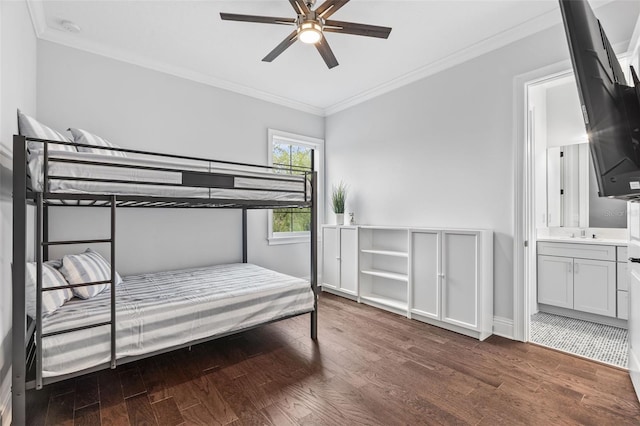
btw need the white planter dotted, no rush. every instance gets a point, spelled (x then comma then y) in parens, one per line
(339, 218)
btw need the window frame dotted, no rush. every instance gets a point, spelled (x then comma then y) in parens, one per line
(279, 136)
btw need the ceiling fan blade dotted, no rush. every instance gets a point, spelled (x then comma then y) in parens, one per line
(258, 19)
(291, 38)
(330, 7)
(356, 29)
(326, 53)
(300, 7)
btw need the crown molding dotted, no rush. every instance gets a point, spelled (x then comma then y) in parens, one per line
(38, 19)
(44, 32)
(532, 26)
(497, 41)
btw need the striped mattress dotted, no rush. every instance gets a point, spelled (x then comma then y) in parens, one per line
(249, 184)
(166, 309)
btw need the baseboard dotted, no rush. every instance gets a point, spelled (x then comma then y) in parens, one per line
(5, 401)
(503, 327)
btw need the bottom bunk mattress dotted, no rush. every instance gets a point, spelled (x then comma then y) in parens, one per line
(166, 309)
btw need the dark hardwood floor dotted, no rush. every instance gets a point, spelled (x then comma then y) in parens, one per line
(368, 367)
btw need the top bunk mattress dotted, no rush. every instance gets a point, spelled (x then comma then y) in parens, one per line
(167, 309)
(147, 176)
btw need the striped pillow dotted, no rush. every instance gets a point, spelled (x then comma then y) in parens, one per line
(51, 300)
(32, 128)
(87, 267)
(82, 136)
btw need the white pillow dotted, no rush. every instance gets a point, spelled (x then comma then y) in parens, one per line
(84, 137)
(32, 128)
(87, 267)
(51, 300)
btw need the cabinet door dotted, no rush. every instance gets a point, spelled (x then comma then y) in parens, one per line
(460, 278)
(555, 281)
(330, 257)
(425, 270)
(594, 286)
(349, 260)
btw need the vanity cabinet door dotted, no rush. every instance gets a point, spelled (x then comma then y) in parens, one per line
(555, 281)
(594, 287)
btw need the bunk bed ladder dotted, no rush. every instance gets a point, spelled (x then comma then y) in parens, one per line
(42, 245)
(314, 253)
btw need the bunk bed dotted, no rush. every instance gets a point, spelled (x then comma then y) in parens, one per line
(129, 321)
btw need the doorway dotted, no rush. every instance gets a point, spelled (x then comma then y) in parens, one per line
(560, 212)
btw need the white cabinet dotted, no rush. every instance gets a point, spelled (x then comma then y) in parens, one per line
(340, 259)
(460, 267)
(555, 281)
(578, 276)
(594, 287)
(440, 276)
(451, 279)
(425, 273)
(623, 284)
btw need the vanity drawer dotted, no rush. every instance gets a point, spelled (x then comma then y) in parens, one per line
(622, 254)
(581, 251)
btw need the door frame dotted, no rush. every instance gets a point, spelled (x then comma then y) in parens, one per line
(524, 251)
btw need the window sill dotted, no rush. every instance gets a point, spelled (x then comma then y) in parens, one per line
(274, 241)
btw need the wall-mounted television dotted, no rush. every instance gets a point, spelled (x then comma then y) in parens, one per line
(610, 108)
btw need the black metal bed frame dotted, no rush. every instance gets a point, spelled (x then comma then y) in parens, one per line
(26, 333)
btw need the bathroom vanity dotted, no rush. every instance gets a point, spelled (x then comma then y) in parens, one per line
(583, 278)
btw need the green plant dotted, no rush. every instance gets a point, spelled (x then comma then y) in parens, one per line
(338, 197)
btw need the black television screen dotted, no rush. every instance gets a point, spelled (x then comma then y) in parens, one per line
(610, 108)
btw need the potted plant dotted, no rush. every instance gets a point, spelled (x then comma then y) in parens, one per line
(338, 198)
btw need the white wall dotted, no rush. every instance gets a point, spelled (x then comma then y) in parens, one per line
(564, 118)
(142, 109)
(17, 90)
(440, 152)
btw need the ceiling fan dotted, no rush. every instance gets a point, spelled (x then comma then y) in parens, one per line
(310, 26)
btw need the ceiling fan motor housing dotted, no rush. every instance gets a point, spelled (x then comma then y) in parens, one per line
(311, 17)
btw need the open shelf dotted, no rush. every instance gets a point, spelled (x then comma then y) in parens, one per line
(386, 274)
(385, 301)
(392, 253)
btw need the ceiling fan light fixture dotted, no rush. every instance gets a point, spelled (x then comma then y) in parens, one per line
(310, 32)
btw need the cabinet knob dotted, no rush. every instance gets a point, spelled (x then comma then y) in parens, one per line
(634, 259)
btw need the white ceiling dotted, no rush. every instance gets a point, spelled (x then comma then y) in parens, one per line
(188, 39)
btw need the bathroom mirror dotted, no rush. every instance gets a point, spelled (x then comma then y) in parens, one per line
(572, 192)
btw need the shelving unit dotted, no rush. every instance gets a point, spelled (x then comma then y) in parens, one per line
(439, 276)
(384, 277)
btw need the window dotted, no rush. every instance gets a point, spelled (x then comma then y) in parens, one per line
(290, 150)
